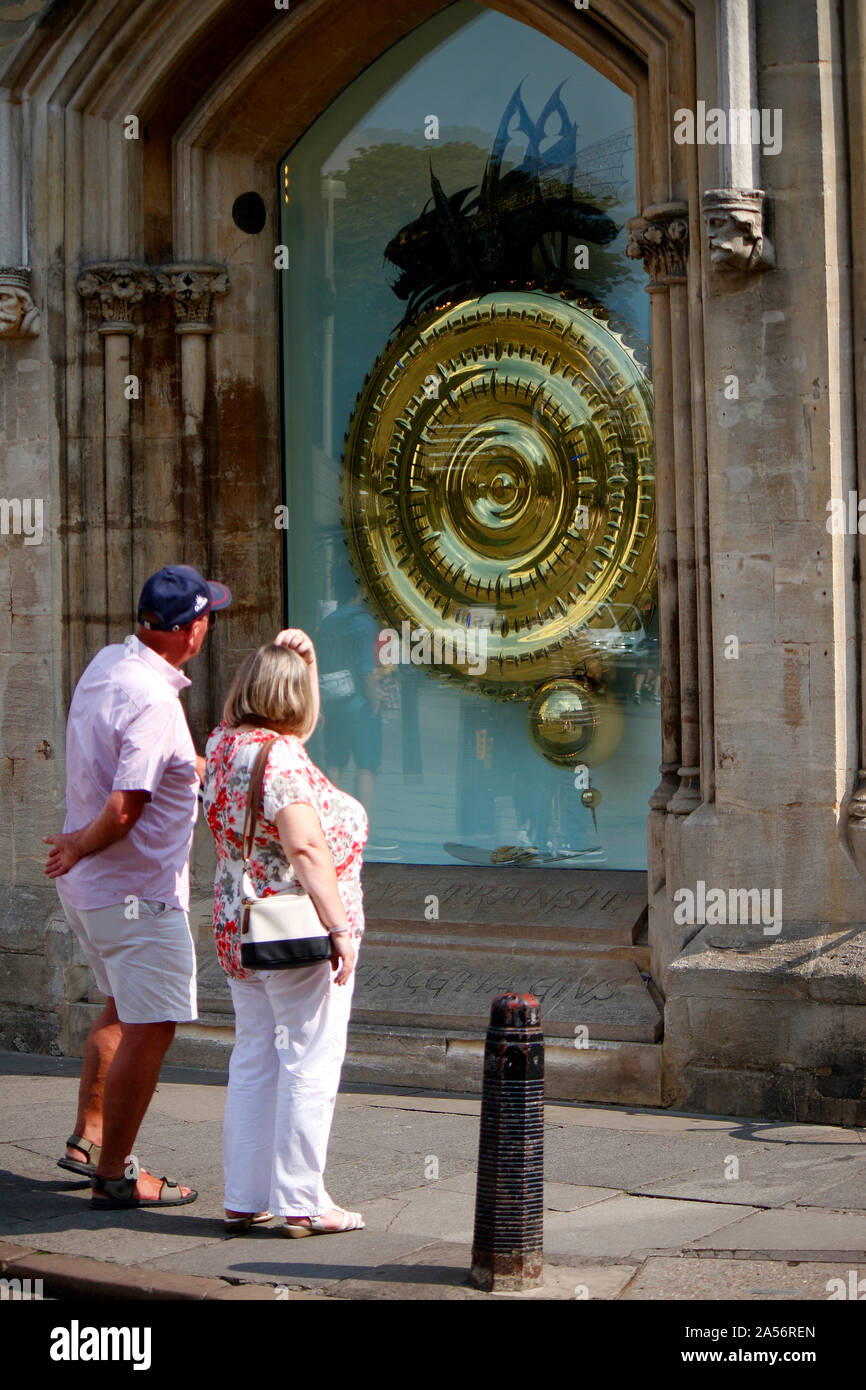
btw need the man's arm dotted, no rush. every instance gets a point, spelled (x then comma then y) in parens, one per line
(117, 817)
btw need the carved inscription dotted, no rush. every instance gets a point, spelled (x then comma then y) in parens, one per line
(414, 981)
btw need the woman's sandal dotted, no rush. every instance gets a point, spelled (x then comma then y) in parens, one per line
(235, 1224)
(118, 1193)
(74, 1165)
(352, 1221)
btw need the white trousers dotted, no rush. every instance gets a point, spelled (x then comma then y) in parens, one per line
(290, 1040)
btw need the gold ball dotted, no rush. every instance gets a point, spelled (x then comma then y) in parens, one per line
(571, 723)
(563, 720)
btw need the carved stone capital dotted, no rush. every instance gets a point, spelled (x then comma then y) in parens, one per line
(660, 238)
(19, 315)
(736, 233)
(116, 287)
(191, 289)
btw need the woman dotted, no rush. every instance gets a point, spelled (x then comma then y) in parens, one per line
(290, 1025)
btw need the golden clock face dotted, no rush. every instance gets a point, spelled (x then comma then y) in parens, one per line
(499, 475)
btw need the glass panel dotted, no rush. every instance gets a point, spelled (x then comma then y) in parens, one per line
(469, 466)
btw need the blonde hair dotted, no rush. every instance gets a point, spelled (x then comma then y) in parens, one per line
(272, 686)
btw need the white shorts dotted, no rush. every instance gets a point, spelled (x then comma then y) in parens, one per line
(147, 965)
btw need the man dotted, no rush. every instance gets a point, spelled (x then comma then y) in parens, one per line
(122, 870)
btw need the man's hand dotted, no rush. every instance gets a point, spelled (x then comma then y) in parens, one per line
(117, 817)
(64, 855)
(299, 641)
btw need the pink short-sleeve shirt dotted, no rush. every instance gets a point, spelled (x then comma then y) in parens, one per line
(126, 731)
(290, 777)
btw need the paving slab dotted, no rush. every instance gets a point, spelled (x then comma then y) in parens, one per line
(420, 1210)
(625, 1227)
(449, 1138)
(440, 1271)
(24, 1120)
(770, 1177)
(630, 1161)
(192, 1105)
(758, 1281)
(269, 1257)
(125, 1237)
(848, 1195)
(793, 1228)
(352, 1181)
(432, 1104)
(558, 1196)
(642, 1121)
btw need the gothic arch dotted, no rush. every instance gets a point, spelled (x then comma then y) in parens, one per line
(221, 89)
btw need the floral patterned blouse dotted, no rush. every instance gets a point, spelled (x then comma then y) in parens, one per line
(290, 777)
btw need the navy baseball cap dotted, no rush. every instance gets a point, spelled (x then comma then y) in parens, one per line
(176, 595)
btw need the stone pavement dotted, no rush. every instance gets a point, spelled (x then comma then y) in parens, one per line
(639, 1204)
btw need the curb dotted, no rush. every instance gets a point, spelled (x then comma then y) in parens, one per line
(78, 1276)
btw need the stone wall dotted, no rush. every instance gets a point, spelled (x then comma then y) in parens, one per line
(761, 751)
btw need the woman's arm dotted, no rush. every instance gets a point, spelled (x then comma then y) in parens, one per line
(306, 848)
(302, 644)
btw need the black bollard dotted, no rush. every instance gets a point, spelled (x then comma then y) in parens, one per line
(507, 1246)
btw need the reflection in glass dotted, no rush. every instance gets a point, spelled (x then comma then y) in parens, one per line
(476, 559)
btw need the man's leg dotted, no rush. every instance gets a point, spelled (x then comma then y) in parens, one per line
(102, 1043)
(129, 1088)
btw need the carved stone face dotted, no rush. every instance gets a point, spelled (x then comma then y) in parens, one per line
(13, 306)
(734, 239)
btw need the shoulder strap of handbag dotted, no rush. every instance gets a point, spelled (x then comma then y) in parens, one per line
(254, 799)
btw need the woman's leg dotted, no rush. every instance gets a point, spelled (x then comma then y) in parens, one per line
(248, 1128)
(312, 1017)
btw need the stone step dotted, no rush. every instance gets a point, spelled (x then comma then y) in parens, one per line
(574, 938)
(602, 907)
(615, 1073)
(623, 1073)
(448, 989)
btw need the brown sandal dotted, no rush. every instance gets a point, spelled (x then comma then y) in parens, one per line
(118, 1193)
(74, 1165)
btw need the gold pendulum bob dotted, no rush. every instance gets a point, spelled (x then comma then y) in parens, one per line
(568, 721)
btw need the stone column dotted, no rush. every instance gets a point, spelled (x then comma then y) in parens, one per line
(191, 290)
(116, 289)
(19, 316)
(660, 239)
(855, 49)
(736, 213)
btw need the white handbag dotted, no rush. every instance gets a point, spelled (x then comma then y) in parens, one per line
(283, 930)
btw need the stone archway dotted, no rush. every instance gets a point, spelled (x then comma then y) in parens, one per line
(143, 275)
